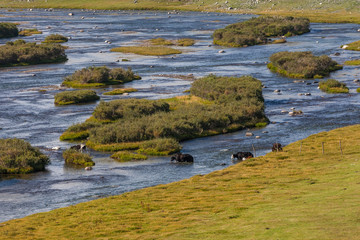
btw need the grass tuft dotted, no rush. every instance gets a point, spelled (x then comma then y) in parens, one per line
(147, 50)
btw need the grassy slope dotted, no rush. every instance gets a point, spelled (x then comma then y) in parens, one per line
(283, 195)
(334, 11)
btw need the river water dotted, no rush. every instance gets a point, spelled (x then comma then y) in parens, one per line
(30, 114)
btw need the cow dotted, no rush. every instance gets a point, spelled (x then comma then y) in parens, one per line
(242, 155)
(277, 147)
(179, 157)
(80, 147)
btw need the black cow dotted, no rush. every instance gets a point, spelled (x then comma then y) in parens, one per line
(179, 157)
(277, 147)
(242, 155)
(78, 147)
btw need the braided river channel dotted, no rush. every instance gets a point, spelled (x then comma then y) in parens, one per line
(27, 109)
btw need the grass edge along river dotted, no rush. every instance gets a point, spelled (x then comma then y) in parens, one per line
(308, 191)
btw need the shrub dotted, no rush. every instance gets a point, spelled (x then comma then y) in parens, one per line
(258, 30)
(185, 42)
(74, 97)
(333, 86)
(18, 156)
(74, 157)
(99, 77)
(8, 30)
(78, 131)
(125, 156)
(146, 50)
(302, 64)
(29, 32)
(21, 53)
(161, 41)
(179, 42)
(120, 91)
(352, 62)
(55, 38)
(160, 147)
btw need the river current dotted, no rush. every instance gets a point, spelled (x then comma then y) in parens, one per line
(29, 113)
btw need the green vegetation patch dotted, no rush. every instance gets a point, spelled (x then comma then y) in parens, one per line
(125, 156)
(21, 53)
(259, 30)
(302, 65)
(184, 42)
(18, 157)
(155, 127)
(8, 30)
(29, 32)
(120, 91)
(74, 97)
(91, 77)
(147, 50)
(282, 195)
(78, 131)
(355, 46)
(352, 62)
(74, 157)
(333, 86)
(161, 41)
(55, 38)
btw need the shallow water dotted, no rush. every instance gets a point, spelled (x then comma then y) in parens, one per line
(31, 115)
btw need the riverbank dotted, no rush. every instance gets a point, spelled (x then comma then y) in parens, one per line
(305, 192)
(316, 11)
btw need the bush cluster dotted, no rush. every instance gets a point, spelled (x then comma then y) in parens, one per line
(223, 104)
(8, 30)
(21, 53)
(147, 50)
(55, 38)
(74, 157)
(29, 32)
(125, 156)
(74, 97)
(302, 64)
(258, 30)
(185, 42)
(120, 91)
(18, 156)
(99, 77)
(333, 86)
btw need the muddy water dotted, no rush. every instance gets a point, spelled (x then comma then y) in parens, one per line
(27, 113)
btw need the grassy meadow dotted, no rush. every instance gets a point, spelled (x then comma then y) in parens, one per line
(282, 195)
(316, 10)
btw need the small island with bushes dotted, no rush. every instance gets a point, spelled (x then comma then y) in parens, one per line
(333, 86)
(19, 53)
(19, 157)
(29, 32)
(258, 30)
(184, 42)
(352, 62)
(8, 30)
(216, 105)
(99, 77)
(55, 38)
(125, 156)
(147, 50)
(73, 157)
(302, 65)
(75, 97)
(354, 46)
(120, 91)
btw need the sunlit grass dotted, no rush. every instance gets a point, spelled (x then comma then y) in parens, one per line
(147, 50)
(120, 91)
(352, 62)
(29, 32)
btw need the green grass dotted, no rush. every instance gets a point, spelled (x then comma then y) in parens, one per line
(120, 91)
(55, 38)
(8, 30)
(161, 41)
(75, 97)
(184, 42)
(332, 11)
(73, 157)
(125, 156)
(29, 32)
(147, 50)
(352, 62)
(354, 46)
(283, 195)
(333, 86)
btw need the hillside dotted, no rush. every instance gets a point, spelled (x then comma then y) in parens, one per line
(316, 10)
(312, 194)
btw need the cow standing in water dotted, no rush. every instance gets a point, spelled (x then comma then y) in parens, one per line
(242, 155)
(179, 157)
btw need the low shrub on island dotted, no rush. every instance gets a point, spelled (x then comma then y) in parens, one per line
(18, 156)
(352, 62)
(74, 97)
(8, 30)
(185, 42)
(125, 156)
(333, 86)
(354, 46)
(147, 50)
(259, 30)
(120, 91)
(99, 77)
(29, 32)
(74, 157)
(302, 65)
(21, 53)
(155, 127)
(55, 38)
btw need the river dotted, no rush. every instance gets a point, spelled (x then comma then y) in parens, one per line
(30, 114)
